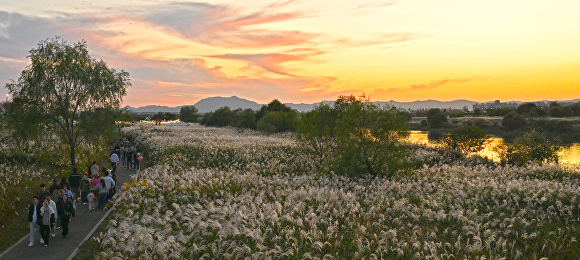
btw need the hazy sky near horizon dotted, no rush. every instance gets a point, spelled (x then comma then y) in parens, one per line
(298, 51)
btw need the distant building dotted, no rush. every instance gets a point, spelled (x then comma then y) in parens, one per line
(495, 105)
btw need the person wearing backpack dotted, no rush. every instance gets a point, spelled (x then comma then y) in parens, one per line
(75, 183)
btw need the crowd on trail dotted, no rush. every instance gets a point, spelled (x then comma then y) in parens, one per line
(53, 209)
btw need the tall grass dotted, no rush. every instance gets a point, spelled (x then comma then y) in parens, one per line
(224, 194)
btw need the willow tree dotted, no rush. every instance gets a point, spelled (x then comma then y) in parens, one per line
(63, 84)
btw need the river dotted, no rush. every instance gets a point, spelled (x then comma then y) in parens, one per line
(567, 155)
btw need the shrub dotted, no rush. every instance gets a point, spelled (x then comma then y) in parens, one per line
(532, 147)
(513, 121)
(436, 118)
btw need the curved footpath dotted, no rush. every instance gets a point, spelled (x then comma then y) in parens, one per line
(81, 228)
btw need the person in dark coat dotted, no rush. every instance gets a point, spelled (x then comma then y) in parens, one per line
(63, 183)
(65, 211)
(33, 216)
(42, 194)
(54, 186)
(75, 183)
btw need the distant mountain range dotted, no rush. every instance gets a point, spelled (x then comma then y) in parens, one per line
(213, 103)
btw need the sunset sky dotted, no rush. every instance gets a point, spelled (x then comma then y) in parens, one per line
(299, 51)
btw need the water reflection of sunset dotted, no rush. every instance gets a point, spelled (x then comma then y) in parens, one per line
(567, 154)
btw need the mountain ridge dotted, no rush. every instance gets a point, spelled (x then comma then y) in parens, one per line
(211, 104)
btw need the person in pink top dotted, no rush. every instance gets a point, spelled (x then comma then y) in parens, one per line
(96, 180)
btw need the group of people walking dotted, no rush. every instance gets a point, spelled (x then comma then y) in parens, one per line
(128, 154)
(52, 209)
(95, 188)
(44, 213)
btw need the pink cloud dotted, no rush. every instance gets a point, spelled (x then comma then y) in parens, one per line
(437, 83)
(374, 5)
(272, 62)
(258, 18)
(382, 39)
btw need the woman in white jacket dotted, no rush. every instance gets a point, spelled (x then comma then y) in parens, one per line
(46, 221)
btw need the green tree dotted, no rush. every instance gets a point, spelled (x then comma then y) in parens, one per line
(364, 137)
(576, 109)
(62, 81)
(247, 119)
(436, 118)
(188, 114)
(467, 139)
(278, 121)
(316, 129)
(283, 118)
(223, 117)
(273, 106)
(207, 119)
(513, 121)
(170, 116)
(525, 109)
(556, 110)
(160, 116)
(537, 112)
(532, 147)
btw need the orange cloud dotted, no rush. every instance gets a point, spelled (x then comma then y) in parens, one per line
(437, 83)
(271, 62)
(382, 39)
(374, 5)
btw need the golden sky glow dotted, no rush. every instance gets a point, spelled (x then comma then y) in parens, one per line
(308, 51)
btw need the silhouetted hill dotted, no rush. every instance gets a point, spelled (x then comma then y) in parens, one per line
(154, 109)
(213, 103)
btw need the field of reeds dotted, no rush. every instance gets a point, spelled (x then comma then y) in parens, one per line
(220, 193)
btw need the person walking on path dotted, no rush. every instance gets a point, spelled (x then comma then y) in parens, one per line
(138, 158)
(85, 188)
(94, 169)
(46, 220)
(33, 216)
(54, 185)
(110, 185)
(42, 193)
(65, 211)
(114, 160)
(128, 156)
(63, 183)
(75, 183)
(96, 180)
(103, 192)
(52, 205)
(80, 229)
(69, 195)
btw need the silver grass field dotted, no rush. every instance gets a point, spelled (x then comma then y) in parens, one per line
(222, 193)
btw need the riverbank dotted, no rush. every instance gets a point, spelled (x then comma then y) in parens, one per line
(562, 131)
